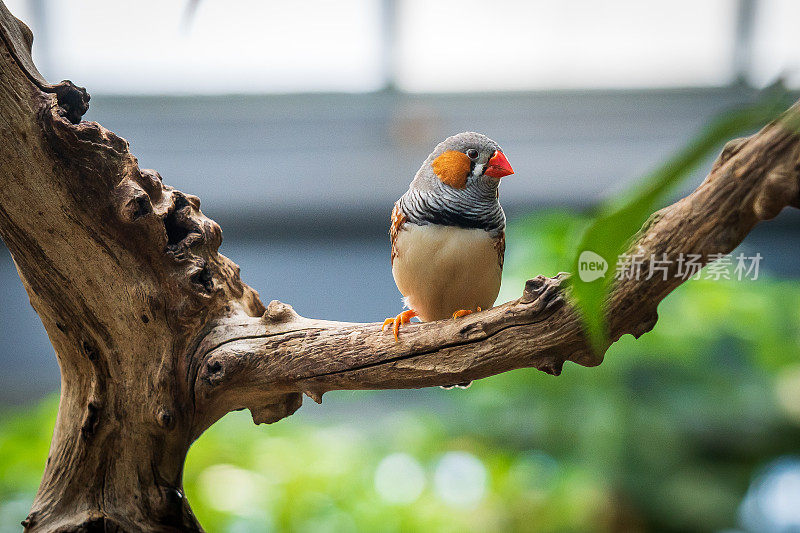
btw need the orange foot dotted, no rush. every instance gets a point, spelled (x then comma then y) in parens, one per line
(403, 318)
(464, 312)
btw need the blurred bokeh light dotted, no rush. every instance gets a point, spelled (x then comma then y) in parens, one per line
(255, 46)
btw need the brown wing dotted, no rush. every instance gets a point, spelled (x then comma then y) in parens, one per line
(500, 246)
(398, 219)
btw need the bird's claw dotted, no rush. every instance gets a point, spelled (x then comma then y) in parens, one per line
(403, 318)
(464, 312)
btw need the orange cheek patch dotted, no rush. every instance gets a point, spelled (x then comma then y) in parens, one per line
(452, 168)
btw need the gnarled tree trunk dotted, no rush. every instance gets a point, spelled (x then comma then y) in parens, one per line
(157, 337)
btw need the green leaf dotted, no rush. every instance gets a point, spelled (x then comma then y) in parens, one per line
(610, 232)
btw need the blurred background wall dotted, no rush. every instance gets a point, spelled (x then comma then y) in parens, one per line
(299, 123)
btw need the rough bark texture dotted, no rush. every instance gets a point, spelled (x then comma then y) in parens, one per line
(157, 337)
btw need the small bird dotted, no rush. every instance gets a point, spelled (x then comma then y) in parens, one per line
(448, 232)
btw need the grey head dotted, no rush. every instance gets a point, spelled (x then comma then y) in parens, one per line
(457, 185)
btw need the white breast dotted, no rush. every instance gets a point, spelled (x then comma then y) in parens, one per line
(441, 269)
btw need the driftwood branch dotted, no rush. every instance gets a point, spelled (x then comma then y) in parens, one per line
(752, 180)
(157, 337)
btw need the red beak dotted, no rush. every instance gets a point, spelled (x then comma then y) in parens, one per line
(498, 166)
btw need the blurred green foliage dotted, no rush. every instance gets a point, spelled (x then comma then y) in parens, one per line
(665, 435)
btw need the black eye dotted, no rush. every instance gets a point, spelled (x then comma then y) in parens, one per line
(472, 153)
